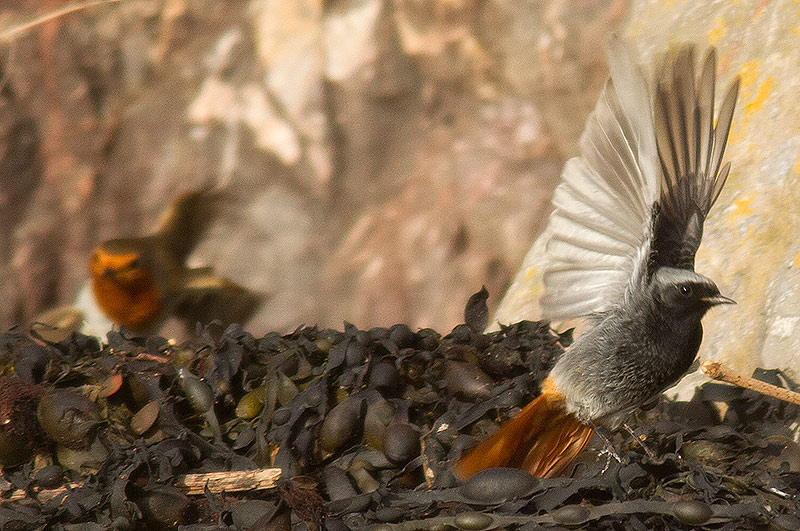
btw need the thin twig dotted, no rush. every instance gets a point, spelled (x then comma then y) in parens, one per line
(152, 357)
(9, 34)
(718, 371)
(191, 484)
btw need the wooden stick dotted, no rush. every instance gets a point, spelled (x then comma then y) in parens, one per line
(191, 484)
(718, 371)
(260, 479)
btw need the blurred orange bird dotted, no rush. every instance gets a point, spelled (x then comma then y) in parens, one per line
(139, 282)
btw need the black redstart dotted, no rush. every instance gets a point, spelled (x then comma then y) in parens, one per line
(627, 223)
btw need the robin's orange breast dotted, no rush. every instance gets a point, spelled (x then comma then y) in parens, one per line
(125, 291)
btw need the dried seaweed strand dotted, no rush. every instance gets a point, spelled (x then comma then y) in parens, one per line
(718, 371)
(191, 484)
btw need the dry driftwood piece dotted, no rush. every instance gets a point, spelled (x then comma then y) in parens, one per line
(261, 479)
(192, 484)
(718, 371)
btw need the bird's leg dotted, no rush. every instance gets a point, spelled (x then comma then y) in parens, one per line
(648, 451)
(609, 449)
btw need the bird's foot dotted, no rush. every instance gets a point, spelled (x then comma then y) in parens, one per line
(650, 453)
(608, 449)
(611, 455)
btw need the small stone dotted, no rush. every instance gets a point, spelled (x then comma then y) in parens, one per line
(497, 485)
(692, 512)
(340, 425)
(250, 405)
(476, 314)
(785, 522)
(389, 514)
(473, 520)
(144, 419)
(401, 335)
(281, 416)
(68, 417)
(244, 515)
(57, 324)
(383, 375)
(705, 451)
(49, 477)
(570, 515)
(164, 505)
(401, 442)
(464, 379)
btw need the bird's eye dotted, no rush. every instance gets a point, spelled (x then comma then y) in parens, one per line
(685, 290)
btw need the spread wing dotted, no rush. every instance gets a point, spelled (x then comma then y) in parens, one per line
(637, 196)
(690, 150)
(601, 225)
(185, 220)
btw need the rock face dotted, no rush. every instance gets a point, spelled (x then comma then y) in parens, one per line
(385, 157)
(751, 245)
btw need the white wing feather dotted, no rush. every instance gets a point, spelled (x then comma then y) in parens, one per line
(600, 228)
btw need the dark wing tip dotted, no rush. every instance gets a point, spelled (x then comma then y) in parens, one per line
(185, 220)
(691, 145)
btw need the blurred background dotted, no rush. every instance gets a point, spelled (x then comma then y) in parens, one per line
(385, 157)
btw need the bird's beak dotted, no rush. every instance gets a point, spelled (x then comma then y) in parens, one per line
(718, 299)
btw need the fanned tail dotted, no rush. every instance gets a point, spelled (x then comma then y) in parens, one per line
(542, 439)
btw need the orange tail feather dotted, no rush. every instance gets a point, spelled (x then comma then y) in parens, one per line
(542, 439)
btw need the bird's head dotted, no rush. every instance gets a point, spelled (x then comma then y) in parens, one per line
(685, 292)
(121, 262)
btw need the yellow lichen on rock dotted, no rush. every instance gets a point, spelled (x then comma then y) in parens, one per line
(751, 243)
(757, 103)
(717, 31)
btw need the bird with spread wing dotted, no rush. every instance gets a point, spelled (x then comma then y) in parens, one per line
(139, 282)
(627, 222)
